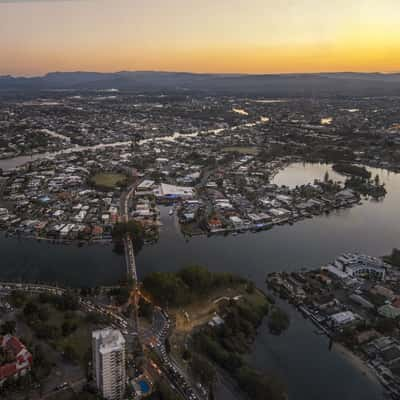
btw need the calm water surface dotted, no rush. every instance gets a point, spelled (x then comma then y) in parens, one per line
(299, 356)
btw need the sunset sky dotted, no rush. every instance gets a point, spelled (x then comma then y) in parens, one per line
(252, 36)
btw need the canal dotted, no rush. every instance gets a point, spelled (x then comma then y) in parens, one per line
(299, 356)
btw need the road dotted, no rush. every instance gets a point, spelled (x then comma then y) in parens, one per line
(117, 321)
(155, 339)
(161, 327)
(160, 331)
(128, 244)
(161, 324)
(130, 260)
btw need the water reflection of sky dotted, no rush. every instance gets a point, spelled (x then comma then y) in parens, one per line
(301, 357)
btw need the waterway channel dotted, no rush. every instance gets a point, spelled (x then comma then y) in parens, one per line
(299, 356)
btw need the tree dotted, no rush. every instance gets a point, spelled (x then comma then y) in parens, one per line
(197, 278)
(18, 298)
(70, 353)
(68, 327)
(46, 331)
(260, 386)
(69, 301)
(121, 295)
(133, 228)
(251, 287)
(42, 364)
(31, 310)
(278, 321)
(85, 395)
(167, 288)
(8, 328)
(203, 370)
(186, 355)
(164, 392)
(354, 170)
(43, 313)
(145, 309)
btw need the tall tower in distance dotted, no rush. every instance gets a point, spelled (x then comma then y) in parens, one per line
(109, 363)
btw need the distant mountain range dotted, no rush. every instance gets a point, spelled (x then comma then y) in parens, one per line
(279, 85)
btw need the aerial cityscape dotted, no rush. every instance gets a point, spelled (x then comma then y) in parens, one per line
(227, 233)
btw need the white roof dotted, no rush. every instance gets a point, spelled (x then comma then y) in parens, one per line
(110, 340)
(335, 271)
(343, 317)
(166, 189)
(146, 184)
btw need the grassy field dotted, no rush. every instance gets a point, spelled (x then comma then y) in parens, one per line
(108, 180)
(241, 149)
(199, 313)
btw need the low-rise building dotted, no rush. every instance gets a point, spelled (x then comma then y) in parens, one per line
(19, 359)
(343, 318)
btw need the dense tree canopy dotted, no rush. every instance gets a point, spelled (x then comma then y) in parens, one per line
(135, 231)
(278, 321)
(350, 169)
(185, 286)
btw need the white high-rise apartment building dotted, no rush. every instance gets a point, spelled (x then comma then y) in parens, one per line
(109, 363)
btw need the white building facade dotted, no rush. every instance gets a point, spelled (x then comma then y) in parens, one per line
(109, 363)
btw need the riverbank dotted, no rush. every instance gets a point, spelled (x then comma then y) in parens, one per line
(77, 242)
(301, 357)
(341, 299)
(205, 306)
(219, 211)
(357, 362)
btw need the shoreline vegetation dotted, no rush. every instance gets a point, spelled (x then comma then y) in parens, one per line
(131, 228)
(220, 330)
(360, 180)
(358, 184)
(278, 321)
(188, 285)
(350, 169)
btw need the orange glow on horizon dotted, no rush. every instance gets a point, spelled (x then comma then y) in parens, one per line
(224, 37)
(257, 60)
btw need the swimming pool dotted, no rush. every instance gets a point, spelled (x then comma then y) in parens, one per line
(144, 386)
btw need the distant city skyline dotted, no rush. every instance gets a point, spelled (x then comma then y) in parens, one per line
(228, 36)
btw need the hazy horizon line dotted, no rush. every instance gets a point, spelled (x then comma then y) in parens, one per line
(44, 74)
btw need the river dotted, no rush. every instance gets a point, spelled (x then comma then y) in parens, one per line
(12, 163)
(299, 356)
